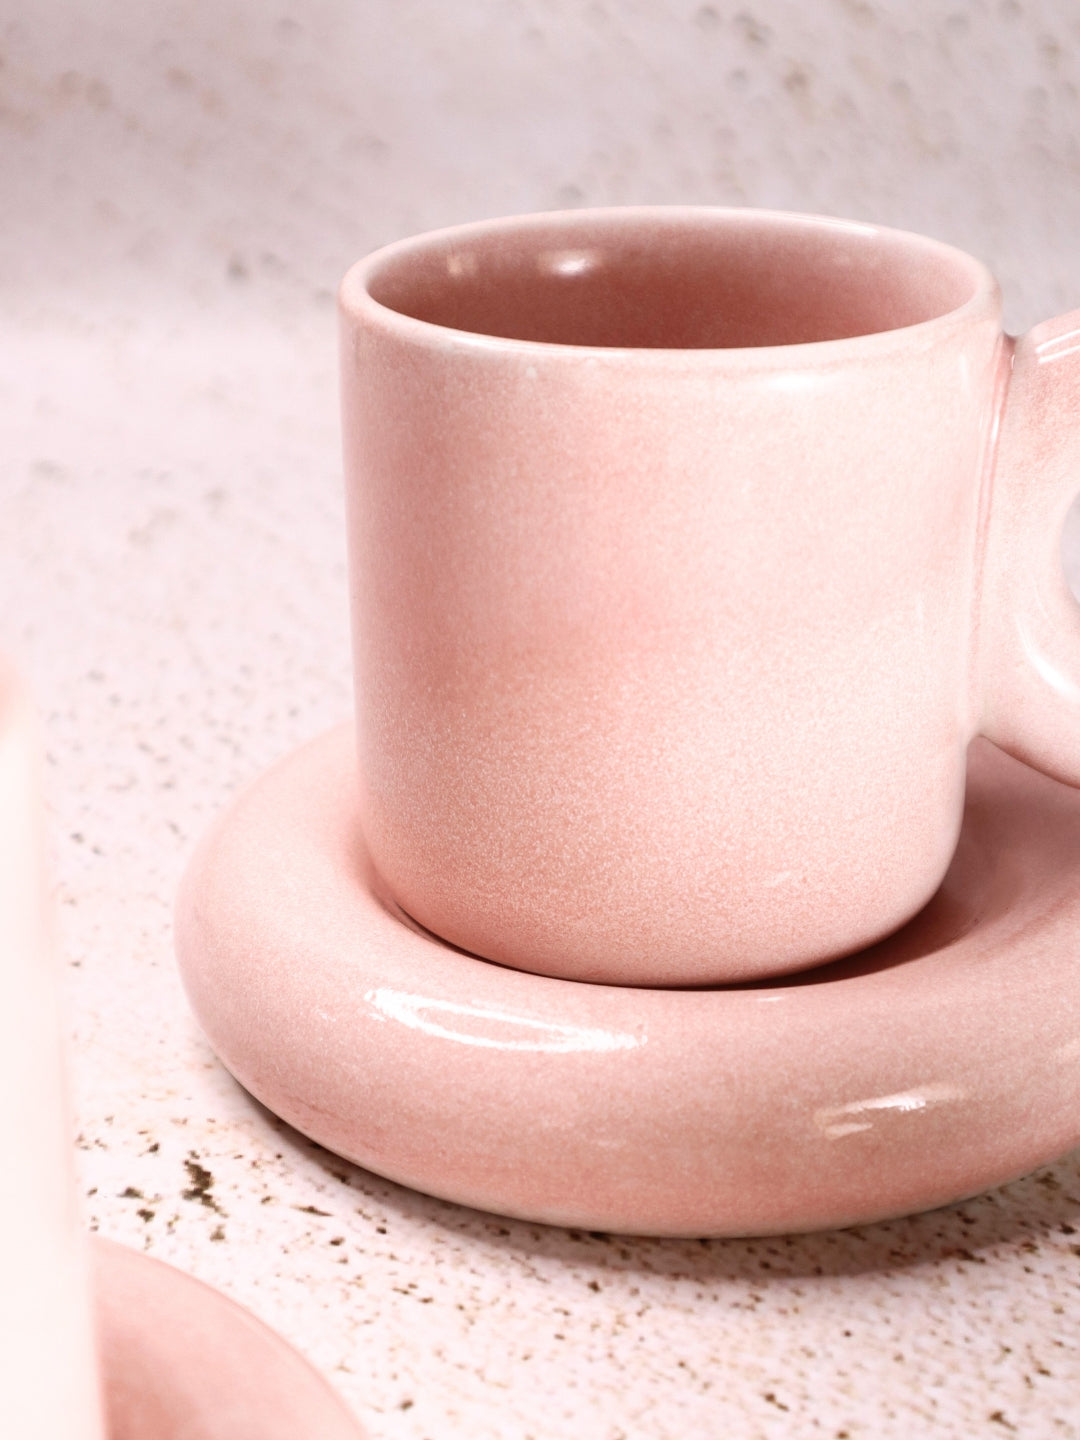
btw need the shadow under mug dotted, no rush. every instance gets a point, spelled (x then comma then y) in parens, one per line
(689, 549)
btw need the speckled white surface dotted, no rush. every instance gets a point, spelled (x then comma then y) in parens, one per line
(183, 186)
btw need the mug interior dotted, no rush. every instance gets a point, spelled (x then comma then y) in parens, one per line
(670, 279)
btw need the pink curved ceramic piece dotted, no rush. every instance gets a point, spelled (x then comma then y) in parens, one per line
(1031, 642)
(667, 569)
(941, 1062)
(48, 1373)
(179, 1361)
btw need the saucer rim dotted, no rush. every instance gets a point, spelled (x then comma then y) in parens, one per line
(967, 1094)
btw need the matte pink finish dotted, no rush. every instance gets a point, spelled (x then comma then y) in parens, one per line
(941, 1062)
(181, 1362)
(666, 567)
(48, 1369)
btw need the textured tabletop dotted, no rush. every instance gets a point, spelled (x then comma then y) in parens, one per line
(172, 578)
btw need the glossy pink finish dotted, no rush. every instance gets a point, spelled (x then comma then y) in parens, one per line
(181, 1362)
(665, 557)
(48, 1370)
(1030, 650)
(941, 1062)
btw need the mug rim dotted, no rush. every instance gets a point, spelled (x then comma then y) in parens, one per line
(357, 303)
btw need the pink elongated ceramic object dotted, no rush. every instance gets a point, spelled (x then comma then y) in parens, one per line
(936, 1064)
(48, 1369)
(690, 549)
(179, 1361)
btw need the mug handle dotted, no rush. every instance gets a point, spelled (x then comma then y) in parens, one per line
(1030, 644)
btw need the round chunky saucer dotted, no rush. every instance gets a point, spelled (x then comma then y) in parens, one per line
(179, 1361)
(936, 1064)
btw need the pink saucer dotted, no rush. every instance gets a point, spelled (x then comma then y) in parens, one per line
(179, 1361)
(939, 1063)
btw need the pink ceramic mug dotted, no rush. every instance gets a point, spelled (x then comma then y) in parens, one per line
(689, 550)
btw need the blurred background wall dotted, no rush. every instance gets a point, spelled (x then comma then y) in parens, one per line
(158, 150)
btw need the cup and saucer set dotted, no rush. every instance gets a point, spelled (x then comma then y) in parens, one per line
(704, 859)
